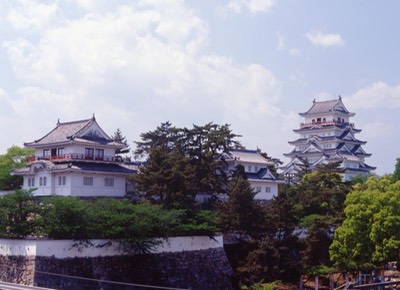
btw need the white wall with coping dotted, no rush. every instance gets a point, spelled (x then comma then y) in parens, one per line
(65, 248)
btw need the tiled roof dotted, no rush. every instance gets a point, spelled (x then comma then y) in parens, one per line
(326, 107)
(93, 167)
(67, 131)
(251, 156)
(259, 175)
(62, 132)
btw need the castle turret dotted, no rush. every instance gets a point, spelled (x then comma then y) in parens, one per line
(327, 135)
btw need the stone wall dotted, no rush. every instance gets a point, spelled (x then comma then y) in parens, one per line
(172, 265)
(205, 269)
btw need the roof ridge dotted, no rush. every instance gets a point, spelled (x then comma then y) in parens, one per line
(72, 122)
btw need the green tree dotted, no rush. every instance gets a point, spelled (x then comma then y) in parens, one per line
(241, 214)
(120, 138)
(396, 173)
(201, 145)
(320, 204)
(370, 233)
(167, 179)
(65, 218)
(138, 228)
(13, 159)
(163, 137)
(18, 215)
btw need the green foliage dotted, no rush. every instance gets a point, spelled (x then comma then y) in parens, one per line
(241, 214)
(13, 159)
(260, 286)
(201, 146)
(319, 205)
(396, 173)
(120, 138)
(18, 215)
(194, 223)
(370, 234)
(167, 179)
(65, 218)
(137, 227)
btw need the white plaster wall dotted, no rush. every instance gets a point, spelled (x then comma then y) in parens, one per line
(98, 188)
(264, 195)
(65, 248)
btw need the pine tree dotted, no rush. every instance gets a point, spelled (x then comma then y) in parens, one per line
(120, 138)
(241, 214)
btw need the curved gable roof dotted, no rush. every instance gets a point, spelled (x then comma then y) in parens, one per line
(75, 130)
(327, 107)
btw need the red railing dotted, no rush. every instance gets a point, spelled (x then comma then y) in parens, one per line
(323, 123)
(74, 156)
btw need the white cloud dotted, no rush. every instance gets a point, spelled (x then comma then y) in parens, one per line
(281, 41)
(376, 95)
(28, 14)
(135, 66)
(253, 6)
(318, 38)
(294, 51)
(378, 130)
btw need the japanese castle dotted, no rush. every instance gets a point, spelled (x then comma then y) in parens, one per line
(327, 135)
(76, 159)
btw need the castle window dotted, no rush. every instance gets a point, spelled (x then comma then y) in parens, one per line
(89, 153)
(62, 180)
(31, 181)
(60, 151)
(249, 168)
(258, 188)
(46, 153)
(99, 154)
(267, 189)
(87, 181)
(42, 181)
(109, 182)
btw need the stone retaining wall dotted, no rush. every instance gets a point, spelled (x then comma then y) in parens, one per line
(171, 265)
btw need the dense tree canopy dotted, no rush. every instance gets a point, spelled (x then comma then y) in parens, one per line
(167, 179)
(241, 214)
(370, 233)
(18, 215)
(14, 158)
(137, 227)
(320, 204)
(184, 161)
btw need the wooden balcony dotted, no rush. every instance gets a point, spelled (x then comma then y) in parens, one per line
(74, 157)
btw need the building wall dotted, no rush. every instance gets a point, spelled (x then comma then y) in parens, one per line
(71, 184)
(98, 188)
(262, 194)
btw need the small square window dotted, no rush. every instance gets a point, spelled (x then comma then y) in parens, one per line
(267, 189)
(109, 182)
(88, 181)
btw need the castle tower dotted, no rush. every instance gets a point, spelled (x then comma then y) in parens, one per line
(327, 135)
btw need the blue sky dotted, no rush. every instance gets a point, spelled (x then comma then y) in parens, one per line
(253, 64)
